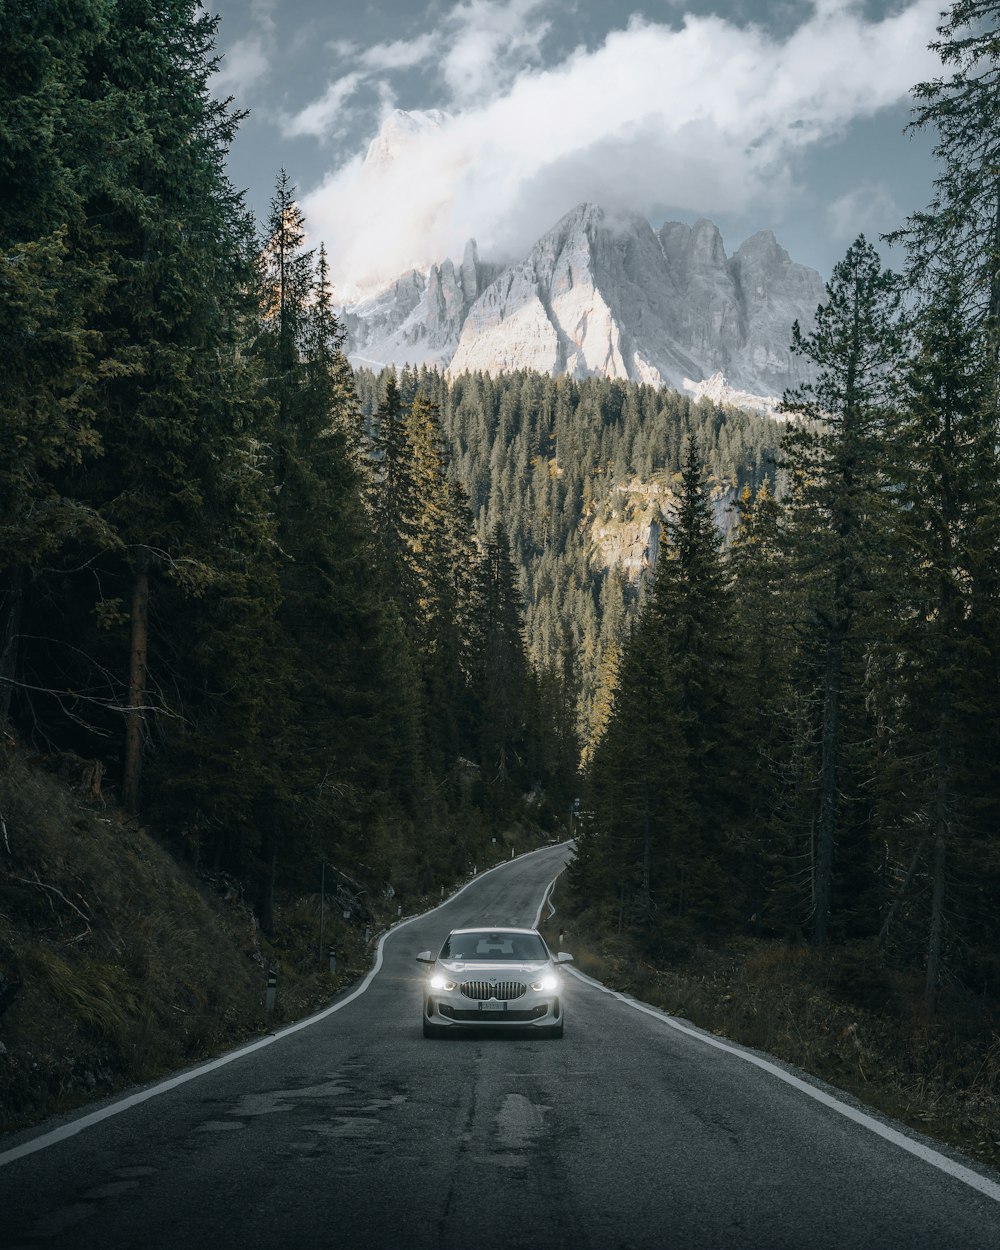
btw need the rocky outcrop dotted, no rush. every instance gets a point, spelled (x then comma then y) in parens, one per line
(626, 530)
(419, 318)
(606, 295)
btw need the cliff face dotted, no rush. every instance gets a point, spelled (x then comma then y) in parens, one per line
(626, 531)
(419, 318)
(607, 296)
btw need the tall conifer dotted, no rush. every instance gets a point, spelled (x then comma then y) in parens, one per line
(834, 454)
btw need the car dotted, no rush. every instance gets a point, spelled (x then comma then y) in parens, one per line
(493, 978)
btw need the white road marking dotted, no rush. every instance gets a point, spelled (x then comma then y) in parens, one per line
(973, 1179)
(44, 1140)
(546, 898)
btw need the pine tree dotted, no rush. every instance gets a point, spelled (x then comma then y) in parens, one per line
(836, 519)
(692, 601)
(160, 217)
(501, 676)
(762, 722)
(336, 749)
(961, 226)
(945, 466)
(392, 491)
(50, 289)
(663, 775)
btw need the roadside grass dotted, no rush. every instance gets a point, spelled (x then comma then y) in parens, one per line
(843, 1018)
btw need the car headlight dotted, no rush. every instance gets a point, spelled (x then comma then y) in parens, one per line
(548, 983)
(440, 982)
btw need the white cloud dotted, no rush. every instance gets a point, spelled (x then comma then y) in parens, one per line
(243, 65)
(400, 54)
(711, 117)
(319, 118)
(869, 209)
(344, 48)
(488, 44)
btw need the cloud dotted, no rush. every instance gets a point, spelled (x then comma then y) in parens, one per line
(869, 208)
(243, 65)
(488, 45)
(319, 118)
(400, 54)
(706, 117)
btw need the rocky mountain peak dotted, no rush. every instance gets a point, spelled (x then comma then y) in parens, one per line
(605, 294)
(401, 130)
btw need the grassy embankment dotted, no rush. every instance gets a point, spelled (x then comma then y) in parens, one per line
(844, 1018)
(118, 964)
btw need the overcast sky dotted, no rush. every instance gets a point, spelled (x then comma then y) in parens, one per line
(781, 116)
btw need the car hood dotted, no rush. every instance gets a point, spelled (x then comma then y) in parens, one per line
(506, 969)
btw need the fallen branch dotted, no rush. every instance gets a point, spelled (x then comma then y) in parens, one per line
(53, 890)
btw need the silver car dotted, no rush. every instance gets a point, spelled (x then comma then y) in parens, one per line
(493, 978)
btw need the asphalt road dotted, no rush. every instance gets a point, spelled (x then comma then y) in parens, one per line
(356, 1132)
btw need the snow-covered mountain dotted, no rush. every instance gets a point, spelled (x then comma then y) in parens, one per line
(606, 295)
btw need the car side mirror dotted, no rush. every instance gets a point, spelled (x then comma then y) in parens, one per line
(564, 957)
(425, 957)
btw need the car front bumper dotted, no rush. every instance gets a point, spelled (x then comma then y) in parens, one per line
(455, 1010)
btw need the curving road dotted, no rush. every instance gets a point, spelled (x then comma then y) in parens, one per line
(355, 1132)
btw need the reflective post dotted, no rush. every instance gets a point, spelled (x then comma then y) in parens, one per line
(272, 988)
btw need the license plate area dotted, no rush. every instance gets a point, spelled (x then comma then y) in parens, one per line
(493, 1006)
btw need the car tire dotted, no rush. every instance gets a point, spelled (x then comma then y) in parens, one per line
(555, 1031)
(432, 1030)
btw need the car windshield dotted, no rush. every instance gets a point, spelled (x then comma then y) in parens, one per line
(486, 945)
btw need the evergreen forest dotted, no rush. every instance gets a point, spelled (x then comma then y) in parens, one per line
(276, 639)
(290, 614)
(582, 474)
(803, 738)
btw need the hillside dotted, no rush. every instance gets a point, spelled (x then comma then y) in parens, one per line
(580, 473)
(116, 963)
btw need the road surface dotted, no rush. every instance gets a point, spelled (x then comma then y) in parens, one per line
(356, 1132)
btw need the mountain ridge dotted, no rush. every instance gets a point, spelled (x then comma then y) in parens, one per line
(603, 294)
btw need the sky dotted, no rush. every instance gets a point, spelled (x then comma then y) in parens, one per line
(785, 116)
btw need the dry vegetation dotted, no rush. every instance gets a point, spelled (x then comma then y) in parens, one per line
(844, 1018)
(116, 964)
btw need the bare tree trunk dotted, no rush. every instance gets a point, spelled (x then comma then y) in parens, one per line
(265, 815)
(647, 855)
(936, 929)
(942, 821)
(138, 661)
(829, 753)
(911, 872)
(11, 604)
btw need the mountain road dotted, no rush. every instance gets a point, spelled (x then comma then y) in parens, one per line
(633, 1131)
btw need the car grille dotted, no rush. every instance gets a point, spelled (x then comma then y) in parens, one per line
(504, 991)
(488, 1018)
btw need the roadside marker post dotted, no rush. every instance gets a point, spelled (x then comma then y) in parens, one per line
(272, 988)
